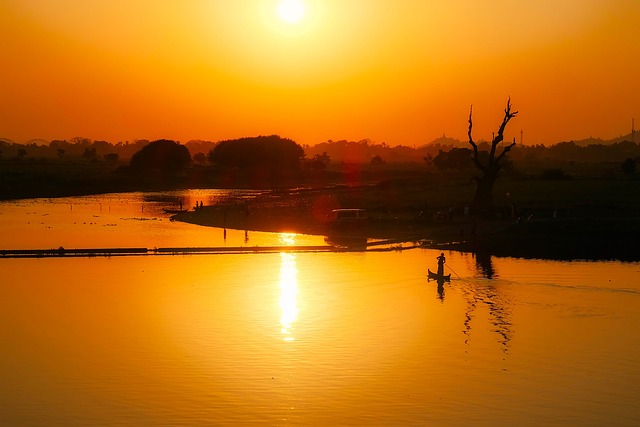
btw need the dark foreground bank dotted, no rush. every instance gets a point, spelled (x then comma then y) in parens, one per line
(595, 234)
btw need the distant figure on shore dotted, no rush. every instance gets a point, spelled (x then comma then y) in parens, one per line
(180, 204)
(441, 260)
(201, 203)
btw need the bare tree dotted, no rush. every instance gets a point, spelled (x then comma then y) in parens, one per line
(483, 199)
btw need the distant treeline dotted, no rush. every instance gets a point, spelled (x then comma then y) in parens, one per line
(364, 151)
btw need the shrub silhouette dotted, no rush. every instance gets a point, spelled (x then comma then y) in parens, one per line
(555, 174)
(456, 158)
(628, 166)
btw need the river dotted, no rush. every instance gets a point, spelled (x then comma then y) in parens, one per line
(299, 338)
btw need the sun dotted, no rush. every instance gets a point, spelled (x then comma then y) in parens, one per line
(291, 11)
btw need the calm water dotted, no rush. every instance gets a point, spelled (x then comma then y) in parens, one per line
(300, 338)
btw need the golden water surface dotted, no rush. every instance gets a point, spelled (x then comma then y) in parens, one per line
(318, 339)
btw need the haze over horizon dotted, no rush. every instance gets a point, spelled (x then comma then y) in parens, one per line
(400, 72)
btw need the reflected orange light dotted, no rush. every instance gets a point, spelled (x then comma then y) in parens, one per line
(287, 239)
(288, 288)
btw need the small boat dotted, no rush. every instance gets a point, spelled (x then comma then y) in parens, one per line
(436, 276)
(175, 211)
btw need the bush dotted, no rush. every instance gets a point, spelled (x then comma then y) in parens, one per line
(628, 166)
(555, 174)
(456, 158)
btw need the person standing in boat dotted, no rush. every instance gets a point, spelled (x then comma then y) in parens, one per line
(441, 260)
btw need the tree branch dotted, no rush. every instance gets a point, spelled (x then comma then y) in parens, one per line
(506, 150)
(497, 139)
(473, 144)
(508, 115)
(476, 157)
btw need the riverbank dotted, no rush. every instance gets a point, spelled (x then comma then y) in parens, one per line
(586, 217)
(597, 233)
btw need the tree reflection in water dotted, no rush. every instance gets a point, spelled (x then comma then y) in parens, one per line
(484, 264)
(488, 293)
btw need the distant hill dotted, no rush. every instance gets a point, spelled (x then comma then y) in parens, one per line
(445, 141)
(599, 141)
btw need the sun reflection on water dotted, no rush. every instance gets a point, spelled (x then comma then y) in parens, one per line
(288, 288)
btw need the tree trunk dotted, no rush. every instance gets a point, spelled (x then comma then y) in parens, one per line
(483, 199)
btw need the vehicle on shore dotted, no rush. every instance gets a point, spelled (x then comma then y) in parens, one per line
(348, 216)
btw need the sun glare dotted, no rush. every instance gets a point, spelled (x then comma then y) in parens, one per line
(291, 11)
(288, 294)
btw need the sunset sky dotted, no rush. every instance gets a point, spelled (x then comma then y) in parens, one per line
(394, 71)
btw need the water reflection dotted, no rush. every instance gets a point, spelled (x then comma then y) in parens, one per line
(484, 265)
(348, 242)
(120, 220)
(487, 295)
(441, 289)
(481, 294)
(440, 282)
(288, 288)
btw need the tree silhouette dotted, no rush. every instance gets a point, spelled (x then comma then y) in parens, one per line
(200, 158)
(456, 158)
(163, 155)
(319, 162)
(261, 152)
(90, 153)
(112, 157)
(377, 160)
(491, 165)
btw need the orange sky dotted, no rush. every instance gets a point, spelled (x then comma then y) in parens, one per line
(394, 71)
